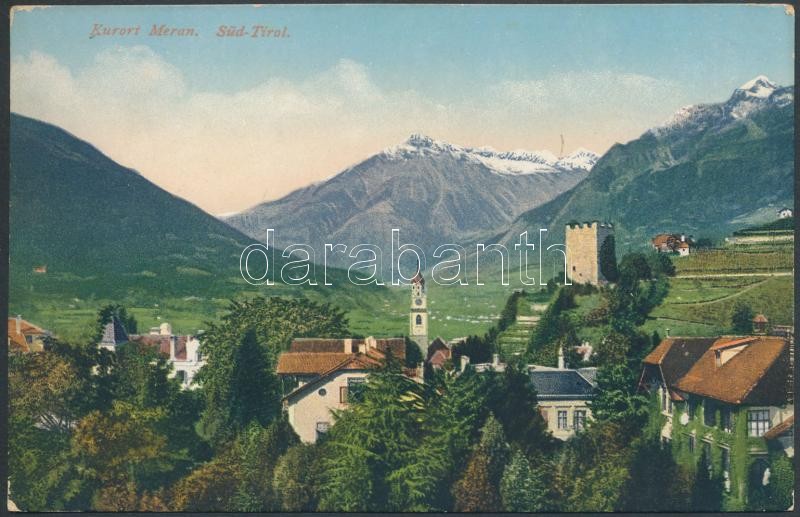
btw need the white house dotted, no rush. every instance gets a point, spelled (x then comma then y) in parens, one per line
(183, 352)
(563, 393)
(784, 213)
(322, 375)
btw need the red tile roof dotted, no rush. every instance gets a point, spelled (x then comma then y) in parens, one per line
(337, 346)
(735, 380)
(728, 342)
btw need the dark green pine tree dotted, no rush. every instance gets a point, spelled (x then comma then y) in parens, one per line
(742, 318)
(608, 259)
(254, 390)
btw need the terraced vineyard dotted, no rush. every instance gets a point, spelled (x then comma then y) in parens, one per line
(514, 339)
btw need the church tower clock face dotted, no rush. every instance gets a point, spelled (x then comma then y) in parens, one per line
(418, 301)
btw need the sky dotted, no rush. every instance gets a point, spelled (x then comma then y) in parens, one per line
(229, 122)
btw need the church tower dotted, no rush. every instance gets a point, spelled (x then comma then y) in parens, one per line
(418, 317)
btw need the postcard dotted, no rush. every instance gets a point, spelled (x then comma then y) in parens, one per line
(401, 258)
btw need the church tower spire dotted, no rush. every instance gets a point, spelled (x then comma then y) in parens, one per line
(418, 317)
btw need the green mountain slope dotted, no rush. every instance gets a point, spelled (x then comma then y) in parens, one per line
(84, 216)
(715, 169)
(107, 234)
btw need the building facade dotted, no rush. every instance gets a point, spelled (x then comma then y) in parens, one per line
(182, 352)
(724, 408)
(320, 376)
(583, 242)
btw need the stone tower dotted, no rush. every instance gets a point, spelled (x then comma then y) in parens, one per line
(583, 242)
(418, 317)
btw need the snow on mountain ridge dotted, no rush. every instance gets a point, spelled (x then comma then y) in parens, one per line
(519, 161)
(750, 97)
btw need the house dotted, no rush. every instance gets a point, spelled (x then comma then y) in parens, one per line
(720, 399)
(672, 243)
(439, 353)
(563, 393)
(24, 336)
(322, 375)
(785, 213)
(182, 352)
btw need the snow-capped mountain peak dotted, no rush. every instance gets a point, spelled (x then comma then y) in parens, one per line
(753, 96)
(759, 86)
(518, 161)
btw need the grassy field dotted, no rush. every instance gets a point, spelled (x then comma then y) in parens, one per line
(455, 311)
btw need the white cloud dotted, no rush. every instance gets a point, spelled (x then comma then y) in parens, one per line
(226, 151)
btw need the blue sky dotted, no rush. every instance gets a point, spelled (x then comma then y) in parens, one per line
(504, 76)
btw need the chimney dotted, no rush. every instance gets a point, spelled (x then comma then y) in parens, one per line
(421, 372)
(667, 331)
(683, 238)
(561, 358)
(495, 359)
(348, 346)
(18, 322)
(464, 362)
(165, 329)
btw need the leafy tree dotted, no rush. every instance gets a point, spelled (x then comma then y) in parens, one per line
(512, 399)
(296, 478)
(479, 350)
(257, 450)
(616, 398)
(140, 376)
(493, 442)
(660, 264)
(413, 354)
(455, 407)
(239, 384)
(613, 348)
(635, 266)
(742, 318)
(475, 492)
(209, 488)
(607, 257)
(703, 243)
(525, 488)
(655, 339)
(126, 445)
(369, 441)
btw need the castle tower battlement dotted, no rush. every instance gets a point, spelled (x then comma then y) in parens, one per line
(583, 242)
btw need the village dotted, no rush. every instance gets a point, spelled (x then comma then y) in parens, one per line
(724, 402)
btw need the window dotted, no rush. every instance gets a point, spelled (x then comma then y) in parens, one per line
(579, 419)
(691, 405)
(707, 457)
(757, 422)
(355, 389)
(709, 413)
(562, 419)
(322, 392)
(726, 461)
(419, 319)
(726, 419)
(29, 339)
(322, 428)
(691, 443)
(181, 376)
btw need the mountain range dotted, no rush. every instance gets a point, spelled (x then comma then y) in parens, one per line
(104, 230)
(434, 192)
(709, 170)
